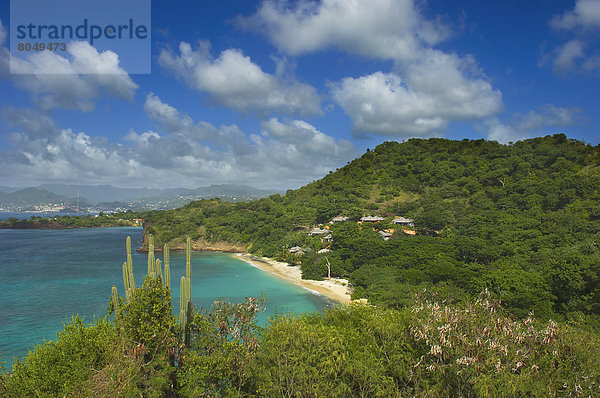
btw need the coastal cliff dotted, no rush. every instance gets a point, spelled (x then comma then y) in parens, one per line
(197, 245)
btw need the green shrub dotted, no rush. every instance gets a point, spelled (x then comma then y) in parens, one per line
(55, 369)
(349, 351)
(223, 342)
(148, 319)
(478, 350)
(148, 328)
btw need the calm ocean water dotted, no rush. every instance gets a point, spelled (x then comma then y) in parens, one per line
(46, 276)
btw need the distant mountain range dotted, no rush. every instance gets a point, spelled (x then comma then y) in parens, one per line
(108, 197)
(30, 197)
(6, 189)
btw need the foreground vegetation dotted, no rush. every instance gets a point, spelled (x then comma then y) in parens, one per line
(427, 349)
(520, 220)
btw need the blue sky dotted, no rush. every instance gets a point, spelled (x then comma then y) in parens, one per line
(274, 94)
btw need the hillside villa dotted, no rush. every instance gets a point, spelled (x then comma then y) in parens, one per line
(339, 219)
(371, 219)
(406, 222)
(318, 231)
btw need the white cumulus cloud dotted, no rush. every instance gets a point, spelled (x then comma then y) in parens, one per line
(233, 80)
(503, 133)
(567, 55)
(433, 91)
(388, 29)
(294, 151)
(304, 138)
(31, 121)
(583, 22)
(180, 153)
(586, 14)
(179, 124)
(74, 79)
(74, 82)
(542, 121)
(3, 33)
(427, 89)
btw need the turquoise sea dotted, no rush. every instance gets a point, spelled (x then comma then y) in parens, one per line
(46, 276)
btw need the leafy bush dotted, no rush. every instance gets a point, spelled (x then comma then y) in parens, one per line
(349, 351)
(55, 368)
(224, 340)
(148, 320)
(477, 350)
(147, 326)
(430, 349)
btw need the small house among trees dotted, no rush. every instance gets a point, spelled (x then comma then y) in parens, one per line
(372, 219)
(296, 250)
(319, 231)
(403, 221)
(385, 235)
(339, 219)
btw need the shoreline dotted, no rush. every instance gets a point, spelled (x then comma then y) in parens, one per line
(60, 226)
(334, 289)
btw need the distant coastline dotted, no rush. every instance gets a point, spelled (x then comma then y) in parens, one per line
(33, 225)
(51, 225)
(25, 220)
(26, 215)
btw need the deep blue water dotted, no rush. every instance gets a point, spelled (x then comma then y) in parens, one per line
(46, 276)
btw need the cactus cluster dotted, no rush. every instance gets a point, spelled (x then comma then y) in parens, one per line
(155, 271)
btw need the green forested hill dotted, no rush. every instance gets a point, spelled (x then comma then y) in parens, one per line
(521, 220)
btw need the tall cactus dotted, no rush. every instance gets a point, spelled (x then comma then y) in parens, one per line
(127, 283)
(188, 258)
(167, 279)
(151, 264)
(188, 288)
(188, 268)
(183, 304)
(130, 263)
(158, 269)
(125, 278)
(185, 308)
(114, 296)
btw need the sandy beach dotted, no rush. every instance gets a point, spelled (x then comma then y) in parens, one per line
(335, 289)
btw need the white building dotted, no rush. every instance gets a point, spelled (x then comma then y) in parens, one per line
(403, 221)
(372, 219)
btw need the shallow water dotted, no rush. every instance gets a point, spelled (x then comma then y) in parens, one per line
(46, 276)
